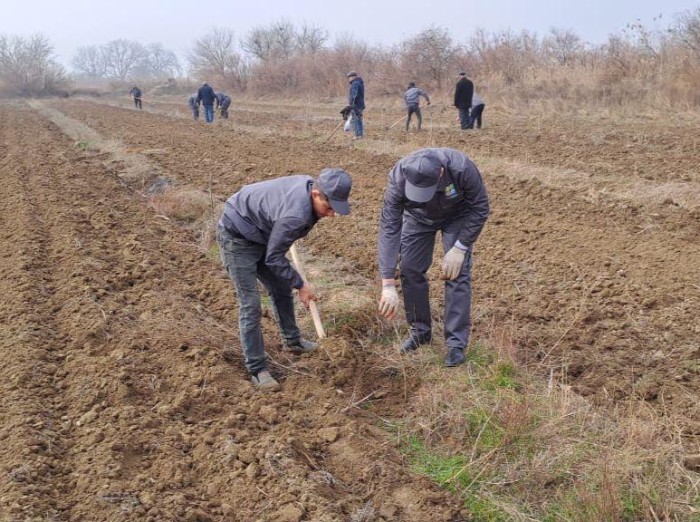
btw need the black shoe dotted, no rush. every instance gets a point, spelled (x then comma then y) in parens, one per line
(413, 342)
(300, 346)
(455, 357)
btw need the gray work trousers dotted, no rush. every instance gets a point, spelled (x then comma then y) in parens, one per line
(245, 263)
(417, 245)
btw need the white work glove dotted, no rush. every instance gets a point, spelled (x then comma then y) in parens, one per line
(389, 301)
(452, 263)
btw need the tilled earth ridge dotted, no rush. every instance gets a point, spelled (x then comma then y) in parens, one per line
(116, 404)
(603, 292)
(643, 147)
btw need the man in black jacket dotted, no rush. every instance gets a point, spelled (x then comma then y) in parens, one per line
(464, 90)
(206, 96)
(136, 93)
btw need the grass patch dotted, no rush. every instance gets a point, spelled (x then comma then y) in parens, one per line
(517, 448)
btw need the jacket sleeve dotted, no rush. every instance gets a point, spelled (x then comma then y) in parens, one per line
(352, 96)
(425, 95)
(283, 234)
(390, 224)
(477, 198)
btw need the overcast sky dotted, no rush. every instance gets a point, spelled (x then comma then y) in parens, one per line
(176, 23)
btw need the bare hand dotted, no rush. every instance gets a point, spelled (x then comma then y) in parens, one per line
(306, 295)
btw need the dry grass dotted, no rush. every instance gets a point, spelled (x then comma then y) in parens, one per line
(517, 448)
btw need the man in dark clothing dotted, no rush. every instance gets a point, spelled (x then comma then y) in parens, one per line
(206, 96)
(464, 90)
(430, 190)
(412, 99)
(356, 102)
(194, 106)
(259, 225)
(136, 93)
(223, 101)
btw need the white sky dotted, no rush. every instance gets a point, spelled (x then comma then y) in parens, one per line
(176, 23)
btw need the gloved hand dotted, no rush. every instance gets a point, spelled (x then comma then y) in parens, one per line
(428, 103)
(452, 263)
(389, 301)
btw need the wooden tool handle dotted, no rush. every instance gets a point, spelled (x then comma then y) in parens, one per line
(312, 304)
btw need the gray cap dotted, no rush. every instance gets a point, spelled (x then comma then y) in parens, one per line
(351, 74)
(422, 171)
(336, 185)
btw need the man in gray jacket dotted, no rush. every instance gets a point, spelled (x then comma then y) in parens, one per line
(258, 226)
(430, 190)
(412, 99)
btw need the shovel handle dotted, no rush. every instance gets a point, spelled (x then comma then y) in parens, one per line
(320, 332)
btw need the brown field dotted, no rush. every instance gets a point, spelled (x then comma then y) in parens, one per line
(117, 403)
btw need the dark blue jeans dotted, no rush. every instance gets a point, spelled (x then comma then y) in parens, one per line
(245, 263)
(464, 118)
(417, 245)
(414, 109)
(209, 113)
(357, 123)
(476, 116)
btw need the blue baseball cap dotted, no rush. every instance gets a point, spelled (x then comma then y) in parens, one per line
(336, 185)
(422, 171)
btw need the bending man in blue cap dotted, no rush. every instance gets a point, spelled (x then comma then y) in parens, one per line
(431, 190)
(258, 226)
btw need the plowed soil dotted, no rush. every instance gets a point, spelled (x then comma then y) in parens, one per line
(118, 405)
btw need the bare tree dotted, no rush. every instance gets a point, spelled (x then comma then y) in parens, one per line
(310, 39)
(90, 61)
(563, 45)
(215, 55)
(122, 56)
(687, 30)
(158, 62)
(430, 54)
(277, 40)
(27, 66)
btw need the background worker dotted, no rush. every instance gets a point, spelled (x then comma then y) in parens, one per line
(464, 90)
(194, 106)
(356, 102)
(223, 102)
(206, 96)
(476, 112)
(412, 99)
(428, 191)
(259, 225)
(136, 93)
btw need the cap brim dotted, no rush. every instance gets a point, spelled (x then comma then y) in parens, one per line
(340, 207)
(420, 194)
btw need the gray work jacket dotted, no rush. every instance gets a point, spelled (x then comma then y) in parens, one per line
(461, 194)
(274, 213)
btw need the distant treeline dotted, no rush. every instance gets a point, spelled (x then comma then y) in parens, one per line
(639, 64)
